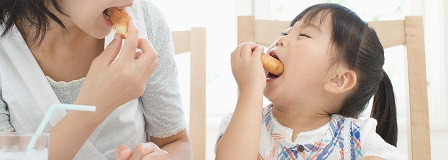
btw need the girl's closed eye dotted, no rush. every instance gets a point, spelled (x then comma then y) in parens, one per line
(304, 35)
(283, 34)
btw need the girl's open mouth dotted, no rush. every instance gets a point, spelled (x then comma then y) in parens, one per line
(271, 75)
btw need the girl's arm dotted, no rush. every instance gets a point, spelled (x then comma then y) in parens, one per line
(242, 136)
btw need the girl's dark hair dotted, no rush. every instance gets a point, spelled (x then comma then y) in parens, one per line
(358, 46)
(29, 13)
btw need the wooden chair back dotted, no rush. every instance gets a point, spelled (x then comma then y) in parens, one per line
(194, 42)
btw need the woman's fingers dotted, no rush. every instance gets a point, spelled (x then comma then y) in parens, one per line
(149, 151)
(122, 152)
(158, 155)
(137, 54)
(146, 48)
(148, 58)
(143, 149)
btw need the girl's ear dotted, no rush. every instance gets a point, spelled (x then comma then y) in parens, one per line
(344, 81)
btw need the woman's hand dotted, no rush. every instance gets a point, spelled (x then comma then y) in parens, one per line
(146, 151)
(372, 158)
(113, 81)
(247, 67)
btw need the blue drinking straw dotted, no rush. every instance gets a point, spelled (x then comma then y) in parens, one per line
(50, 112)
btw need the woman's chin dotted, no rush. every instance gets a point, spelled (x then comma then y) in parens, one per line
(101, 34)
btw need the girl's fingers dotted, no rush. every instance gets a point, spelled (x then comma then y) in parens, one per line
(257, 52)
(247, 49)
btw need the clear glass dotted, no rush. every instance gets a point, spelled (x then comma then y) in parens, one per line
(13, 146)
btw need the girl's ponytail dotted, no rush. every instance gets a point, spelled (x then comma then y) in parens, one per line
(384, 111)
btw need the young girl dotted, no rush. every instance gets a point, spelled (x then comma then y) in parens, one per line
(332, 67)
(55, 51)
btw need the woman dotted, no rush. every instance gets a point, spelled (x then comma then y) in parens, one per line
(54, 51)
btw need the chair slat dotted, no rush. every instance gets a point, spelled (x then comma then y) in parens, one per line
(198, 92)
(194, 42)
(390, 33)
(418, 97)
(181, 41)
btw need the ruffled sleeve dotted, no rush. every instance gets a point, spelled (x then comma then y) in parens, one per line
(373, 145)
(5, 125)
(222, 128)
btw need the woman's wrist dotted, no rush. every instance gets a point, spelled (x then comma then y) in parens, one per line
(101, 112)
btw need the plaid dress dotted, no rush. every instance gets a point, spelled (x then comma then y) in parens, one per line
(338, 139)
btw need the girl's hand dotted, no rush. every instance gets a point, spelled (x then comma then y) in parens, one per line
(109, 84)
(247, 67)
(146, 151)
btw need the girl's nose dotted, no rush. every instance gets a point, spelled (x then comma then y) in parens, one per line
(282, 41)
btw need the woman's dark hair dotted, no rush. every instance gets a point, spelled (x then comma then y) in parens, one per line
(29, 13)
(358, 46)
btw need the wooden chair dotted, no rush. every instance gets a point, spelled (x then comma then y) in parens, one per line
(193, 42)
(408, 32)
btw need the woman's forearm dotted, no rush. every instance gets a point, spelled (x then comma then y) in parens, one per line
(178, 145)
(242, 136)
(68, 136)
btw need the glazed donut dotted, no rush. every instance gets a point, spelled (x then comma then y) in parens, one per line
(271, 64)
(120, 19)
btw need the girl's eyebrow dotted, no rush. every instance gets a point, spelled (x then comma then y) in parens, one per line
(311, 25)
(316, 27)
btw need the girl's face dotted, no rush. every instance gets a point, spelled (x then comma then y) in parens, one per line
(88, 15)
(304, 51)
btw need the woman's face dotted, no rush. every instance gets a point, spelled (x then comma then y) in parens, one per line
(304, 52)
(88, 15)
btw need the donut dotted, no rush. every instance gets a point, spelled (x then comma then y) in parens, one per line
(271, 64)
